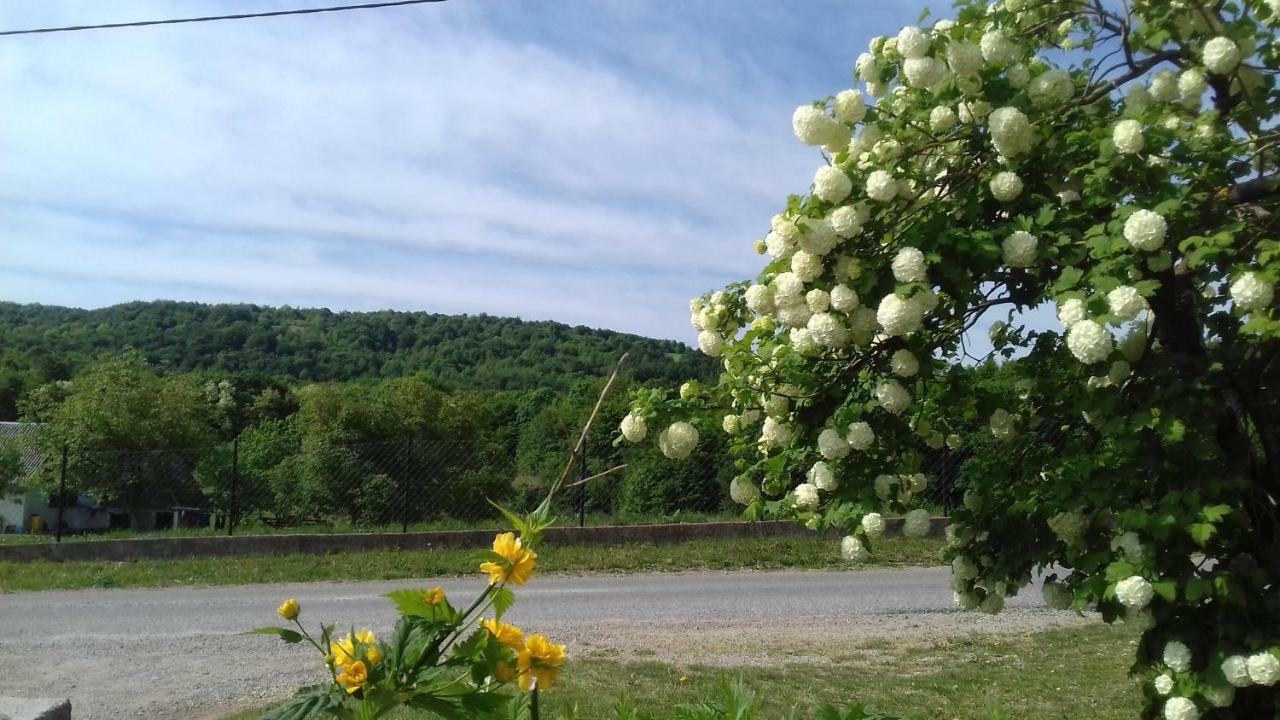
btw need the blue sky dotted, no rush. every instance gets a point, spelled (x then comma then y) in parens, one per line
(595, 163)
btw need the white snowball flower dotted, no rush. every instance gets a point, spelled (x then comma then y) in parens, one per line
(1125, 302)
(908, 266)
(802, 341)
(881, 186)
(743, 491)
(1236, 670)
(916, 524)
(678, 440)
(912, 42)
(1057, 596)
(847, 220)
(1011, 132)
(1163, 684)
(1219, 695)
(877, 89)
(831, 445)
(775, 404)
(1221, 55)
(843, 298)
(759, 299)
(817, 236)
(941, 119)
(1264, 668)
(1089, 342)
(787, 285)
(831, 184)
(1127, 137)
(813, 126)
(963, 568)
(1180, 708)
(964, 58)
(822, 477)
(1129, 544)
(1020, 249)
(898, 316)
(924, 72)
(1145, 230)
(1071, 311)
(860, 436)
(1251, 292)
(1138, 99)
(827, 331)
(711, 343)
(805, 497)
(1177, 656)
(774, 434)
(1019, 75)
(852, 550)
(867, 68)
(1191, 86)
(731, 424)
(873, 525)
(998, 49)
(1006, 186)
(806, 265)
(1001, 423)
(892, 396)
(1164, 86)
(818, 300)
(1051, 89)
(1134, 592)
(884, 486)
(850, 106)
(904, 364)
(633, 428)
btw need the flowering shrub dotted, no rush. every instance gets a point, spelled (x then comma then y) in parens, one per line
(1117, 162)
(454, 663)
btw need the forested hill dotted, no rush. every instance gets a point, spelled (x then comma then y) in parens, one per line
(39, 343)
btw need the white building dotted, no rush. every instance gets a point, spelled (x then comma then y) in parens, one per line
(17, 508)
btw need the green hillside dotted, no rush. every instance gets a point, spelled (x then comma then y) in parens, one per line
(42, 343)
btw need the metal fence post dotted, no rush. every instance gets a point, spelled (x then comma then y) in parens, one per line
(404, 490)
(62, 494)
(235, 476)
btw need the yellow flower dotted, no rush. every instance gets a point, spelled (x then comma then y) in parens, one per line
(504, 672)
(289, 610)
(539, 660)
(508, 635)
(354, 676)
(434, 596)
(518, 564)
(344, 652)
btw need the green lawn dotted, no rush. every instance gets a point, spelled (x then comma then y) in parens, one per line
(1053, 675)
(749, 553)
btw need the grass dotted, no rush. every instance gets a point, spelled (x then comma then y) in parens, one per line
(1052, 675)
(339, 528)
(736, 554)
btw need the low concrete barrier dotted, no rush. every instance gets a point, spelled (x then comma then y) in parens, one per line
(222, 546)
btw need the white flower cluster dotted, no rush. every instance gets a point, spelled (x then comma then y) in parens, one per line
(1001, 424)
(909, 266)
(881, 186)
(903, 364)
(1134, 592)
(1052, 88)
(852, 550)
(1221, 55)
(873, 525)
(1089, 342)
(892, 397)
(1071, 311)
(860, 436)
(1250, 292)
(916, 523)
(774, 434)
(1176, 655)
(900, 316)
(998, 48)
(1145, 230)
(831, 184)
(1180, 708)
(1127, 137)
(1125, 302)
(743, 491)
(1006, 186)
(805, 497)
(1020, 249)
(821, 477)
(1011, 132)
(678, 441)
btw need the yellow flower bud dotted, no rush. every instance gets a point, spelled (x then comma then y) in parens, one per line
(289, 609)
(434, 596)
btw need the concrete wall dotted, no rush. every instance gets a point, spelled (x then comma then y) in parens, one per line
(189, 547)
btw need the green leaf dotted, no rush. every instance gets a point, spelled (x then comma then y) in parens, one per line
(308, 702)
(285, 634)
(1167, 589)
(503, 599)
(1198, 588)
(1201, 532)
(1215, 513)
(413, 603)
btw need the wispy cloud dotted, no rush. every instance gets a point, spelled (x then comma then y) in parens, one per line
(589, 162)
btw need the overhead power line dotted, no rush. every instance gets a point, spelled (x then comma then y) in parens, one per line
(212, 18)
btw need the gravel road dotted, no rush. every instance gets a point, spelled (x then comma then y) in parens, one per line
(178, 653)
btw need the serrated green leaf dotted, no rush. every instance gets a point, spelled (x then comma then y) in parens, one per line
(285, 634)
(503, 599)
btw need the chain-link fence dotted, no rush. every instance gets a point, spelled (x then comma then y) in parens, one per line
(257, 483)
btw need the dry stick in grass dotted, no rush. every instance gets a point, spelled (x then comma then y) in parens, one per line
(582, 439)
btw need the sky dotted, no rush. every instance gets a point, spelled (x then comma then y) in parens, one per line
(592, 162)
